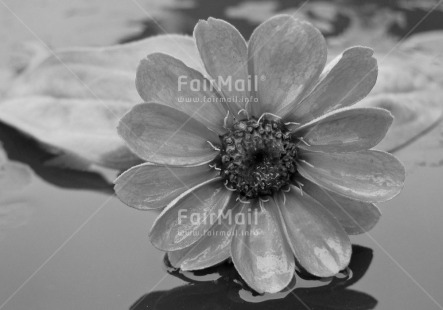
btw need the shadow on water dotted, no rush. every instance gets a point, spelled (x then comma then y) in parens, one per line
(26, 150)
(186, 18)
(415, 16)
(227, 291)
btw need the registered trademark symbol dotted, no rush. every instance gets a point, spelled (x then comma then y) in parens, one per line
(262, 77)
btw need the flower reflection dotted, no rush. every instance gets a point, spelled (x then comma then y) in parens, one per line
(226, 294)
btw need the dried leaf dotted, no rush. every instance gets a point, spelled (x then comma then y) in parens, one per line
(410, 87)
(72, 100)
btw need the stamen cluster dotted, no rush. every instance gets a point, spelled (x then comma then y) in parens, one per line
(257, 157)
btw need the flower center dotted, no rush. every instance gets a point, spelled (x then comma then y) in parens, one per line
(257, 157)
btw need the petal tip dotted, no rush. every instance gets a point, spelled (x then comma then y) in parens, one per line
(363, 50)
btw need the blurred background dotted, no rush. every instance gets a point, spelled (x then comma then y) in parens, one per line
(67, 243)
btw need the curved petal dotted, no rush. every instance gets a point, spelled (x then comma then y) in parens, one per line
(345, 81)
(188, 217)
(213, 248)
(148, 186)
(286, 57)
(259, 250)
(167, 80)
(346, 130)
(319, 243)
(225, 54)
(356, 217)
(163, 135)
(370, 176)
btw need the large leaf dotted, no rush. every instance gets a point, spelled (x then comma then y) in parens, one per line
(72, 100)
(409, 85)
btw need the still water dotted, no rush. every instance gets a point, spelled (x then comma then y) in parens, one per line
(66, 242)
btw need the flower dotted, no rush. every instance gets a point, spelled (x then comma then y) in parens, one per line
(295, 161)
(204, 294)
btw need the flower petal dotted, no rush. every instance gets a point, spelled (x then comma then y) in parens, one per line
(259, 250)
(286, 57)
(225, 54)
(188, 217)
(213, 248)
(148, 186)
(356, 217)
(163, 135)
(346, 130)
(319, 243)
(370, 176)
(345, 81)
(167, 80)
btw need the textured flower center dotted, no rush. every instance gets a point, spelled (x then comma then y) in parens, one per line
(257, 157)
